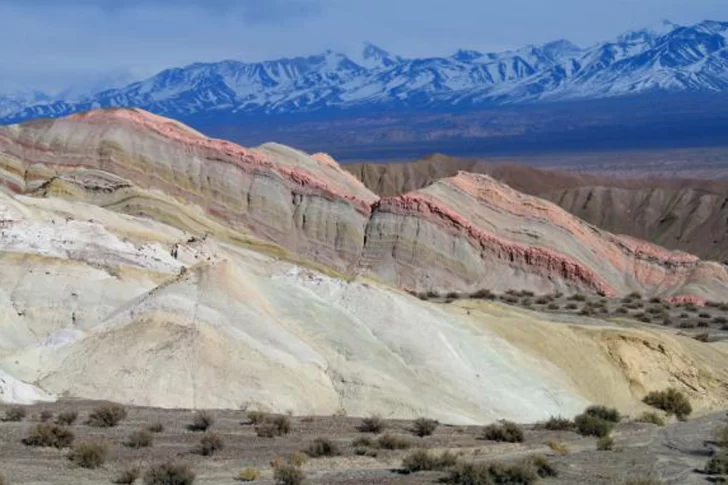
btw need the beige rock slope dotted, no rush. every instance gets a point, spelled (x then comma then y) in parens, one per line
(95, 305)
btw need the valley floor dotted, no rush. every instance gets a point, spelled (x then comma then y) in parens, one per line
(672, 454)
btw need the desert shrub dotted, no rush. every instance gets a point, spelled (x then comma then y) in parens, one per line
(433, 294)
(169, 474)
(603, 412)
(655, 310)
(721, 436)
(483, 295)
(256, 417)
(89, 455)
(671, 401)
(635, 295)
(139, 439)
(588, 425)
(248, 475)
(424, 460)
(651, 418)
(605, 443)
(452, 295)
(364, 441)
(297, 459)
(720, 320)
(644, 318)
(210, 443)
(553, 306)
(704, 315)
(274, 426)
(542, 301)
(322, 447)
(718, 464)
(46, 416)
(571, 306)
(558, 423)
(511, 300)
(156, 427)
(559, 447)
(423, 296)
(622, 311)
(201, 421)
(49, 436)
(702, 337)
(524, 473)
(684, 315)
(527, 293)
(504, 432)
(577, 297)
(655, 300)
(667, 321)
(128, 476)
(107, 416)
(393, 442)
(287, 474)
(424, 427)
(373, 424)
(67, 418)
(3, 480)
(15, 414)
(686, 325)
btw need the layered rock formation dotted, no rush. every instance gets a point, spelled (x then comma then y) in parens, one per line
(463, 233)
(474, 232)
(684, 214)
(305, 204)
(97, 304)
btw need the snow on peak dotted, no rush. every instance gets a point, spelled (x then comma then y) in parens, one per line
(374, 57)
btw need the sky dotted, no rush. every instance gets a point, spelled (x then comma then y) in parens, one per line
(52, 45)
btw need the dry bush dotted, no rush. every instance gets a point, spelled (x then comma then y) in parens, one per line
(15, 414)
(89, 455)
(322, 447)
(128, 476)
(526, 472)
(571, 306)
(506, 431)
(643, 481)
(559, 447)
(210, 443)
(424, 460)
(721, 436)
(671, 401)
(256, 417)
(704, 315)
(49, 436)
(622, 311)
(156, 427)
(46, 416)
(603, 412)
(287, 474)
(651, 418)
(373, 424)
(67, 418)
(605, 443)
(274, 426)
(107, 416)
(557, 423)
(588, 425)
(424, 427)
(553, 306)
(201, 421)
(720, 320)
(393, 442)
(718, 464)
(483, 295)
(248, 475)
(139, 439)
(169, 474)
(577, 297)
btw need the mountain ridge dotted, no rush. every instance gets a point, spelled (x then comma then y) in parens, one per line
(672, 58)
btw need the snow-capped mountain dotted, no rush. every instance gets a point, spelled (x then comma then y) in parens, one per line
(668, 58)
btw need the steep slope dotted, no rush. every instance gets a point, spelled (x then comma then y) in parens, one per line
(474, 232)
(306, 204)
(307, 208)
(108, 306)
(669, 59)
(681, 214)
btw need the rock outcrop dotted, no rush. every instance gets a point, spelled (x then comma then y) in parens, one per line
(305, 204)
(462, 233)
(474, 232)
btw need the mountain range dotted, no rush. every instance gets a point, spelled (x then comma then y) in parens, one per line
(670, 58)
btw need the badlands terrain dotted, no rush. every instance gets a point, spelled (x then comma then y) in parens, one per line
(146, 264)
